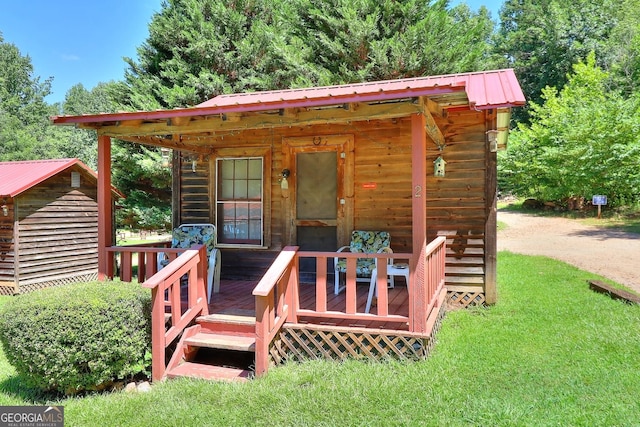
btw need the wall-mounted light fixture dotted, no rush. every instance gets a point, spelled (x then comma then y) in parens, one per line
(194, 159)
(4, 208)
(492, 139)
(284, 184)
(165, 153)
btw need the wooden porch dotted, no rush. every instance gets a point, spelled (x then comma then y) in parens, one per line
(281, 319)
(236, 298)
(377, 141)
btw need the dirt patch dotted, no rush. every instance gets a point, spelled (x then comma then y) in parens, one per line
(613, 254)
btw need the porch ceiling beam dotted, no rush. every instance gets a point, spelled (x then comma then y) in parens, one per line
(301, 117)
(157, 141)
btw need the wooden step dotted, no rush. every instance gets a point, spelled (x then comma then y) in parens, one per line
(228, 323)
(209, 372)
(222, 341)
(463, 271)
(461, 280)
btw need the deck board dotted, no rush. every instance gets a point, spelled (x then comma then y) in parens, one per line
(236, 296)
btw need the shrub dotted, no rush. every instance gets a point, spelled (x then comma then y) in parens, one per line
(78, 337)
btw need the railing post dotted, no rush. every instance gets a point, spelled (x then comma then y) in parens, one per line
(202, 278)
(157, 335)
(417, 295)
(292, 293)
(105, 234)
(262, 335)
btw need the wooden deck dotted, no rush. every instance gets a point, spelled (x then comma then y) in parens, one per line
(235, 297)
(289, 319)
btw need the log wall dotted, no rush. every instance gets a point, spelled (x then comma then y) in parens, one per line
(456, 204)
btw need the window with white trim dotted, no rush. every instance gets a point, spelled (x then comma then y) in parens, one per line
(239, 201)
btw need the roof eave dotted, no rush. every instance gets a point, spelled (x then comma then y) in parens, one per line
(254, 107)
(42, 178)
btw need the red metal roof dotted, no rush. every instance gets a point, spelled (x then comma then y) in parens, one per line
(484, 90)
(19, 176)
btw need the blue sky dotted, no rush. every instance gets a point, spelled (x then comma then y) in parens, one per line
(84, 41)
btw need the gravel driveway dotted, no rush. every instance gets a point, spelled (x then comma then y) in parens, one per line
(610, 253)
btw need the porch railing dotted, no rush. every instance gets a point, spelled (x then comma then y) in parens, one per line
(434, 279)
(277, 294)
(121, 259)
(350, 313)
(171, 310)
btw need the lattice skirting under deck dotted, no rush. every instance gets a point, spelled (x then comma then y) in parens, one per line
(300, 342)
(26, 288)
(464, 299)
(7, 290)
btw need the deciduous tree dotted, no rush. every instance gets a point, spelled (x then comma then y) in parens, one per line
(543, 39)
(582, 140)
(24, 130)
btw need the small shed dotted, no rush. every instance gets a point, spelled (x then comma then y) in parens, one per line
(48, 224)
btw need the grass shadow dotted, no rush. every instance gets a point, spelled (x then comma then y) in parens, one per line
(16, 386)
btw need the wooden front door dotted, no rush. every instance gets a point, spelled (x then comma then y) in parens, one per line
(321, 188)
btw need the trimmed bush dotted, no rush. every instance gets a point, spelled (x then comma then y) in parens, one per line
(78, 337)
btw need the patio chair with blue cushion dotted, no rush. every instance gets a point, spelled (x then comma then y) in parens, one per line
(368, 242)
(187, 235)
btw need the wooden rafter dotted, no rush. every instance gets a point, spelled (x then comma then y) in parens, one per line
(174, 143)
(434, 108)
(301, 117)
(433, 131)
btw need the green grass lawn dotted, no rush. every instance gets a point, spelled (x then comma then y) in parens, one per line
(550, 353)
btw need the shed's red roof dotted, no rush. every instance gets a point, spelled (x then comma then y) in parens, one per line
(484, 90)
(19, 176)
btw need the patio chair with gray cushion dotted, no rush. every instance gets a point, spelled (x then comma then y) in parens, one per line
(361, 242)
(187, 235)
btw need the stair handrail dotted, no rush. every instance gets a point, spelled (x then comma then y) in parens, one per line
(276, 299)
(434, 282)
(166, 282)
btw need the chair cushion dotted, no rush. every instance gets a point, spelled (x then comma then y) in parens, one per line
(188, 235)
(364, 266)
(369, 242)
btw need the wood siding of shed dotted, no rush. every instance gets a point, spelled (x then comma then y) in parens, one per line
(58, 231)
(456, 204)
(7, 251)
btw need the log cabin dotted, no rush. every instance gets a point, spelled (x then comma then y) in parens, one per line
(48, 224)
(286, 177)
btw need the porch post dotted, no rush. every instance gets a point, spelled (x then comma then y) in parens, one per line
(105, 237)
(417, 294)
(491, 225)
